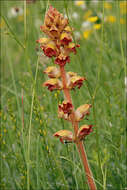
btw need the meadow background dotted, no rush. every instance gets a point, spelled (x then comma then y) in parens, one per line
(31, 158)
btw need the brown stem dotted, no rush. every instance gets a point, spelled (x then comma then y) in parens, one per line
(64, 81)
(79, 144)
(86, 166)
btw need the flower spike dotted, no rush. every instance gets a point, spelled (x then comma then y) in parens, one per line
(59, 45)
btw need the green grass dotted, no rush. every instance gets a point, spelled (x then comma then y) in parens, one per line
(31, 158)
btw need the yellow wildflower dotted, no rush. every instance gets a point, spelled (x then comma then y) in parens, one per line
(20, 18)
(5, 130)
(47, 147)
(122, 21)
(123, 4)
(40, 121)
(123, 10)
(92, 19)
(42, 108)
(87, 14)
(107, 5)
(2, 23)
(111, 19)
(79, 3)
(44, 132)
(40, 131)
(4, 142)
(97, 26)
(87, 33)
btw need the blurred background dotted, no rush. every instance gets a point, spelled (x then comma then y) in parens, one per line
(31, 158)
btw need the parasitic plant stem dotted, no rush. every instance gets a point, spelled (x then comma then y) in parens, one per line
(79, 144)
(64, 81)
(86, 166)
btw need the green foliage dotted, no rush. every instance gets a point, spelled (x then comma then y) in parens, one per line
(31, 158)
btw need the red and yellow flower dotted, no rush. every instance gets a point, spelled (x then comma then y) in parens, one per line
(53, 84)
(64, 110)
(52, 72)
(82, 111)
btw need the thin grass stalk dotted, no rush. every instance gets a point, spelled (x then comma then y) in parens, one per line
(22, 111)
(97, 87)
(120, 37)
(25, 35)
(12, 33)
(30, 127)
(37, 161)
(124, 66)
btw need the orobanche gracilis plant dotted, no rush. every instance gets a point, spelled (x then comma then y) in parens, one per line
(59, 45)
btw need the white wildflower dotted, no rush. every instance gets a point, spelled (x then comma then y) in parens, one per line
(75, 15)
(15, 11)
(77, 35)
(86, 24)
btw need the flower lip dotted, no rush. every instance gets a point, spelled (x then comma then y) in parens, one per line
(52, 72)
(64, 135)
(62, 61)
(49, 50)
(84, 131)
(82, 111)
(66, 107)
(53, 84)
(65, 38)
(76, 81)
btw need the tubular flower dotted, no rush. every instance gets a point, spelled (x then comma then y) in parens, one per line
(72, 47)
(52, 72)
(82, 111)
(83, 131)
(53, 84)
(75, 81)
(68, 29)
(62, 59)
(66, 107)
(65, 38)
(71, 74)
(64, 110)
(64, 135)
(43, 40)
(49, 49)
